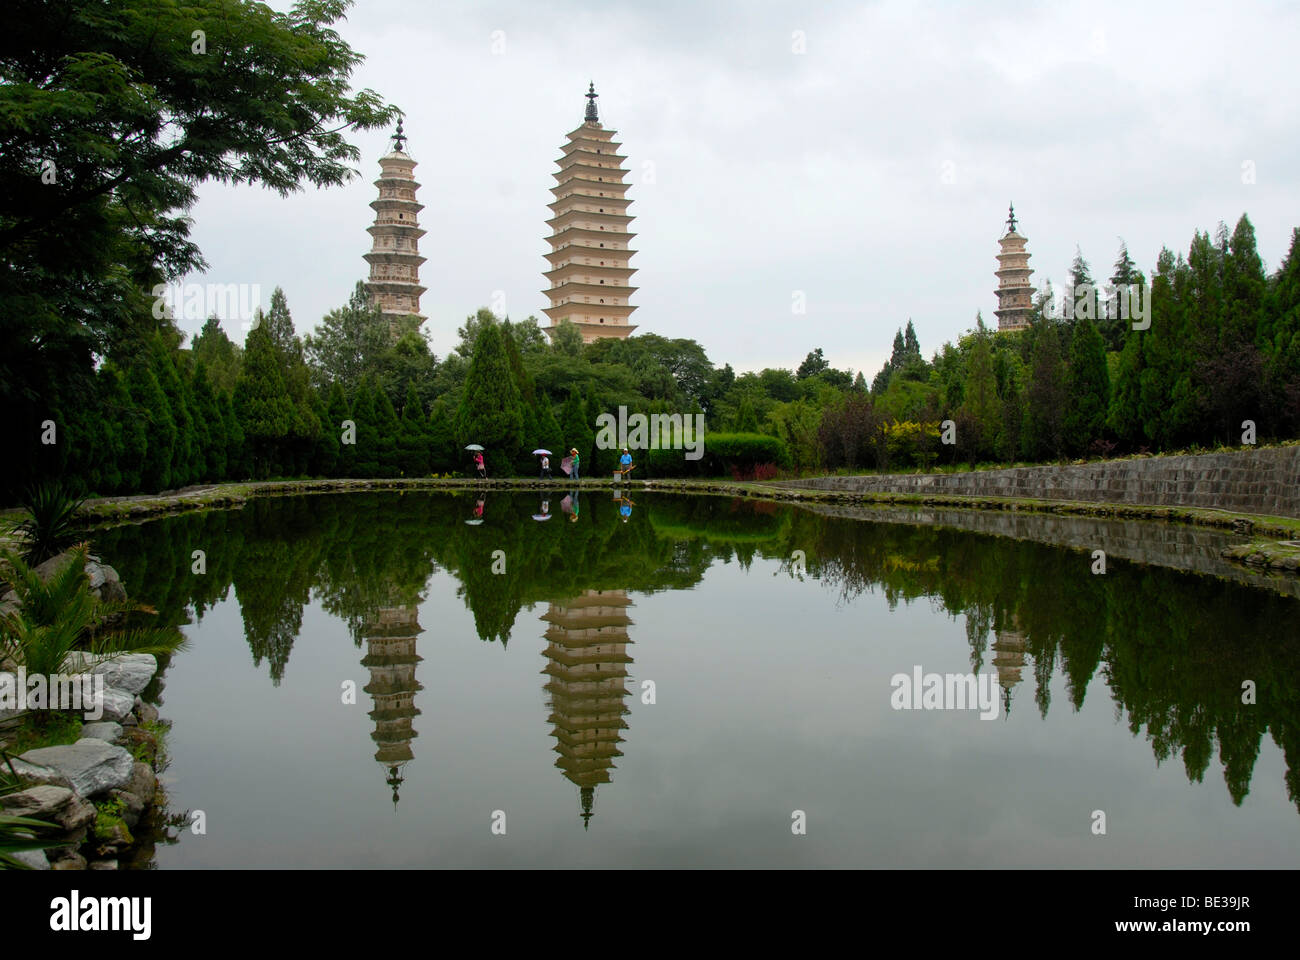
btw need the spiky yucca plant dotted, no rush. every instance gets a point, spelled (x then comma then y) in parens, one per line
(52, 522)
(62, 616)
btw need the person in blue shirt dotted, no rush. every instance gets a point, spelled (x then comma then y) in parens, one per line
(625, 462)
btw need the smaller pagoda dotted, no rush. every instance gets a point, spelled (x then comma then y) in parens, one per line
(1015, 295)
(394, 256)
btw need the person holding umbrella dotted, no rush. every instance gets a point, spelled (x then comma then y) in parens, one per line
(478, 460)
(546, 462)
(574, 461)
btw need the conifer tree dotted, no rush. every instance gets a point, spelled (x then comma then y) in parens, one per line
(209, 426)
(980, 400)
(491, 409)
(159, 429)
(442, 440)
(365, 414)
(1112, 324)
(332, 431)
(266, 413)
(185, 449)
(549, 435)
(325, 449)
(1045, 397)
(1087, 389)
(236, 450)
(413, 436)
(1124, 417)
(579, 432)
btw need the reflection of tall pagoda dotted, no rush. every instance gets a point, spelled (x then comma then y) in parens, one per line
(1008, 659)
(587, 665)
(391, 659)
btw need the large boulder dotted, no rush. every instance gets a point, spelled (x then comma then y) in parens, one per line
(117, 706)
(138, 794)
(38, 775)
(91, 766)
(57, 805)
(33, 859)
(130, 672)
(104, 730)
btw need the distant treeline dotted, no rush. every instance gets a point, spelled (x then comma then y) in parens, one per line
(363, 396)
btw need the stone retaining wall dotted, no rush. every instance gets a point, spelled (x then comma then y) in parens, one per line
(1263, 482)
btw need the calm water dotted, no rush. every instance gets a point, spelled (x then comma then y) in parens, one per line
(482, 693)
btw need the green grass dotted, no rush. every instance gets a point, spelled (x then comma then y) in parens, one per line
(45, 728)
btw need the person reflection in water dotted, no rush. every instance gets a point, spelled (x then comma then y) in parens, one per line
(478, 509)
(625, 508)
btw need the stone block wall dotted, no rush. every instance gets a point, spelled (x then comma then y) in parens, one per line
(1243, 481)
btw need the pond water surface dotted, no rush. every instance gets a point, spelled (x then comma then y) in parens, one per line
(700, 681)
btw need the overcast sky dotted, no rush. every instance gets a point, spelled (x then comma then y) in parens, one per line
(871, 172)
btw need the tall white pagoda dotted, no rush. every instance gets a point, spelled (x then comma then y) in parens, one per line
(589, 276)
(394, 255)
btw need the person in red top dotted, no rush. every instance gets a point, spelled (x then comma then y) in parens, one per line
(478, 464)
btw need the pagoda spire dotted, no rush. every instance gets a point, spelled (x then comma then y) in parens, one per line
(591, 116)
(399, 139)
(1011, 216)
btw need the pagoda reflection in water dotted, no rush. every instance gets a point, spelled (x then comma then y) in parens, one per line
(587, 660)
(390, 637)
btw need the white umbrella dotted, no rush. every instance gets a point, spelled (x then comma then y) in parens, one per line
(539, 452)
(472, 446)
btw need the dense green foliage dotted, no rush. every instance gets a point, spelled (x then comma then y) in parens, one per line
(111, 116)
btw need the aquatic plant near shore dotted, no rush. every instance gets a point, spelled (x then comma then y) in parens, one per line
(53, 522)
(56, 617)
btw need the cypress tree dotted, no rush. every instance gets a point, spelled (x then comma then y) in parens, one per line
(325, 449)
(1045, 398)
(491, 408)
(579, 431)
(413, 436)
(1087, 389)
(344, 459)
(265, 411)
(443, 456)
(159, 429)
(1113, 326)
(186, 452)
(209, 425)
(1124, 418)
(983, 411)
(549, 435)
(124, 447)
(366, 455)
(236, 448)
(388, 429)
